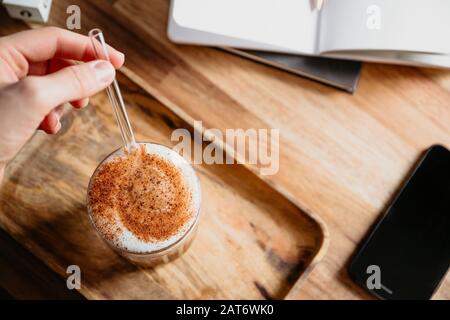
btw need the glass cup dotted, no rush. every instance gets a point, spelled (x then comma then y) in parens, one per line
(163, 253)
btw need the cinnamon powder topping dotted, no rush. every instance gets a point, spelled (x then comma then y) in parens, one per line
(146, 192)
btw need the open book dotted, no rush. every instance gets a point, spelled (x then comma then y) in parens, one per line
(415, 32)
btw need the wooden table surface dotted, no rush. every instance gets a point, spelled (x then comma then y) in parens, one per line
(342, 156)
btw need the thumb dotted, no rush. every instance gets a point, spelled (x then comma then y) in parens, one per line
(68, 84)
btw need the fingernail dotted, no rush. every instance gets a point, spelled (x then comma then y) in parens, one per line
(104, 71)
(58, 126)
(85, 103)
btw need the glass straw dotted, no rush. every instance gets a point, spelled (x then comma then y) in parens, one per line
(114, 94)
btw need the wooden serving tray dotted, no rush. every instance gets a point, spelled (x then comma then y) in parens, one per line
(252, 242)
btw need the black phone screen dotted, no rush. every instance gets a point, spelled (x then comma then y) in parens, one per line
(408, 253)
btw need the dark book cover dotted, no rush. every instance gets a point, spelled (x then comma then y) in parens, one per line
(342, 74)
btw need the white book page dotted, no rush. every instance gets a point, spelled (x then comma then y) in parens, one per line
(396, 57)
(386, 25)
(285, 25)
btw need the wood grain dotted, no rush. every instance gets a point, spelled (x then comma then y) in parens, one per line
(23, 276)
(342, 156)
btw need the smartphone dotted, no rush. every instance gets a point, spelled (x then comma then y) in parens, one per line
(407, 254)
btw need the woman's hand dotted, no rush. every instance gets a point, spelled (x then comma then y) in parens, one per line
(38, 74)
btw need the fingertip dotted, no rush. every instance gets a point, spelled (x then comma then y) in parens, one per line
(104, 72)
(57, 127)
(46, 129)
(51, 123)
(53, 130)
(79, 104)
(117, 59)
(121, 58)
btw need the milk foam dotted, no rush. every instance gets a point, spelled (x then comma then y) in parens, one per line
(125, 239)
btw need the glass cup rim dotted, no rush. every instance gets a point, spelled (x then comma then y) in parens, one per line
(114, 247)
